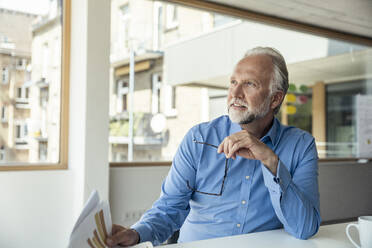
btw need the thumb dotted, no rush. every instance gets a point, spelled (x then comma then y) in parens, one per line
(123, 237)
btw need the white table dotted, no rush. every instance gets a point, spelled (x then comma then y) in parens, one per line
(329, 236)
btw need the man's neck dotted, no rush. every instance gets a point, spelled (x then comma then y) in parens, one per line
(259, 127)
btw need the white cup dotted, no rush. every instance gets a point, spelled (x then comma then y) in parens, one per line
(364, 228)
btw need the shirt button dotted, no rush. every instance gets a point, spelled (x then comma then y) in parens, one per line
(238, 225)
(247, 177)
(243, 202)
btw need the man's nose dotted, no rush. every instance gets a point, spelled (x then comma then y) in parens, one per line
(236, 90)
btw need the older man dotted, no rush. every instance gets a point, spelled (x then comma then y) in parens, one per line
(240, 173)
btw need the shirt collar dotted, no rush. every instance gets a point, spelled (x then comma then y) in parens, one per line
(272, 134)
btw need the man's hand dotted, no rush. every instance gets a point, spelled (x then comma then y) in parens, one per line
(122, 236)
(248, 146)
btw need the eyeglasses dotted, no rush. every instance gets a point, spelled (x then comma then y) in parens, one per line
(224, 176)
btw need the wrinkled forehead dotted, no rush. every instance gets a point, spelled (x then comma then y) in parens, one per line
(259, 67)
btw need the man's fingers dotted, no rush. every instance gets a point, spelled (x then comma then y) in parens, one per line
(116, 228)
(226, 146)
(220, 147)
(122, 237)
(233, 149)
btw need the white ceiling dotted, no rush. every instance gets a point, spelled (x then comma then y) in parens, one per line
(348, 16)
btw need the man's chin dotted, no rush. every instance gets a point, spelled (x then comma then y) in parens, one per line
(241, 119)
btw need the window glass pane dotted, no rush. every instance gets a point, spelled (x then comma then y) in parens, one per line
(30, 87)
(330, 84)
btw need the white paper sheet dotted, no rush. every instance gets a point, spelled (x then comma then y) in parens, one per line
(94, 225)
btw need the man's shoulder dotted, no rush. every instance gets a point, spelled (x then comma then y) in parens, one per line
(207, 128)
(292, 132)
(222, 121)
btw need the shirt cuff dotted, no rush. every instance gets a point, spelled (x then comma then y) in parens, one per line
(143, 231)
(278, 183)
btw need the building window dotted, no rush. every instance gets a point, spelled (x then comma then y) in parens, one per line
(2, 153)
(44, 96)
(124, 27)
(122, 96)
(156, 86)
(18, 131)
(4, 113)
(19, 92)
(22, 97)
(5, 75)
(21, 64)
(170, 100)
(43, 151)
(157, 28)
(172, 18)
(21, 131)
(45, 61)
(173, 97)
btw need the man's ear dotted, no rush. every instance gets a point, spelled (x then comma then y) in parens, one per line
(277, 99)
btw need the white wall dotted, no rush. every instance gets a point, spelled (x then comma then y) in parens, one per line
(134, 190)
(38, 208)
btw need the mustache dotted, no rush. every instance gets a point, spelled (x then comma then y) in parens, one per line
(238, 101)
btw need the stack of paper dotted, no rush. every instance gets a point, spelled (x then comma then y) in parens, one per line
(94, 225)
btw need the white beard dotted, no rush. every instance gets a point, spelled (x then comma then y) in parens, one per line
(249, 114)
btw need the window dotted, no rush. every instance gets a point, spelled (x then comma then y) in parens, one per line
(21, 133)
(122, 92)
(171, 19)
(2, 154)
(158, 9)
(35, 65)
(45, 61)
(170, 100)
(156, 86)
(4, 114)
(124, 27)
(5, 75)
(186, 80)
(43, 151)
(22, 96)
(44, 97)
(21, 64)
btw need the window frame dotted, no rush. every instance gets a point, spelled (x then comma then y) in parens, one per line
(64, 111)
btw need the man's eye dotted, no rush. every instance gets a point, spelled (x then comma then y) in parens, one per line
(233, 82)
(251, 84)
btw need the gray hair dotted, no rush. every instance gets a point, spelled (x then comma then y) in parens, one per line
(279, 79)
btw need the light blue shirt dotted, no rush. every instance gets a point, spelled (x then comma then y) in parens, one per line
(253, 199)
